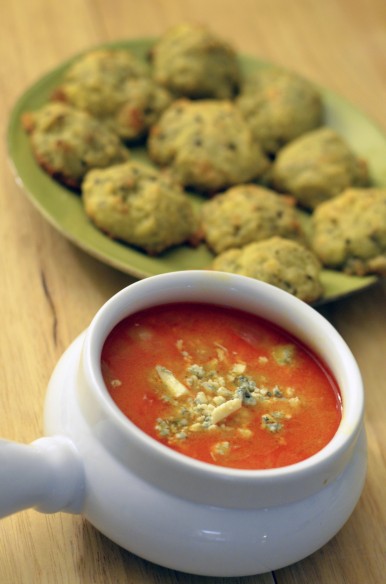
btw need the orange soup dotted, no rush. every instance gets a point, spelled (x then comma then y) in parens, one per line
(221, 386)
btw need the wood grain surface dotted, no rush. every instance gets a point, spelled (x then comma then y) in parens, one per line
(50, 289)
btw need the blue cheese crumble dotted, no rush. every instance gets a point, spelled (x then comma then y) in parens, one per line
(205, 400)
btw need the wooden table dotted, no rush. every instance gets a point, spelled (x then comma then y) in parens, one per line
(50, 289)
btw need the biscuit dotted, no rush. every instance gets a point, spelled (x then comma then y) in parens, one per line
(96, 81)
(116, 87)
(279, 106)
(316, 167)
(207, 144)
(134, 203)
(247, 213)
(67, 143)
(193, 62)
(281, 262)
(349, 232)
(144, 102)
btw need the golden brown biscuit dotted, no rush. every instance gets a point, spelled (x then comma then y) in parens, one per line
(279, 106)
(115, 86)
(247, 213)
(96, 81)
(207, 144)
(349, 232)
(144, 102)
(135, 203)
(316, 167)
(281, 262)
(67, 143)
(191, 61)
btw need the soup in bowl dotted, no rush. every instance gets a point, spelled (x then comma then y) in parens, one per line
(202, 415)
(221, 385)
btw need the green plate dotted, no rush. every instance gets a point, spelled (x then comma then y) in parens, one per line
(63, 208)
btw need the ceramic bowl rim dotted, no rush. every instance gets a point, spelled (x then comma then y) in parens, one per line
(116, 308)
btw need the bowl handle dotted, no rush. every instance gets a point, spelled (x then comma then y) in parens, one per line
(47, 474)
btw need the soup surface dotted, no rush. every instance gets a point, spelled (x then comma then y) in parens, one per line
(221, 385)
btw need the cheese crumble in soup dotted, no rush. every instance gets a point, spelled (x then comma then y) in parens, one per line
(221, 386)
